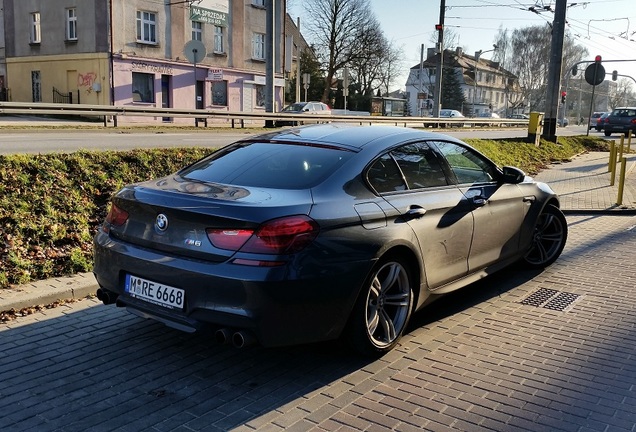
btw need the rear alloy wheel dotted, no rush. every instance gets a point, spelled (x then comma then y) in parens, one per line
(383, 309)
(548, 238)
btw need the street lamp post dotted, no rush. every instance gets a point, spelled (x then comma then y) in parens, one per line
(477, 57)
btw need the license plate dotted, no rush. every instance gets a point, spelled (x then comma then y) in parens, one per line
(154, 292)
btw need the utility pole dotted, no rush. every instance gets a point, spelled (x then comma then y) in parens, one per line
(420, 102)
(437, 97)
(554, 71)
(270, 58)
(298, 65)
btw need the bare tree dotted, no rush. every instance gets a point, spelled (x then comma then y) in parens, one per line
(526, 53)
(621, 94)
(339, 29)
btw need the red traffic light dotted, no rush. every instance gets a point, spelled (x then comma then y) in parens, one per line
(438, 26)
(564, 94)
(597, 59)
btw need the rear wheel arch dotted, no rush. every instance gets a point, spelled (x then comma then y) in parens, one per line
(367, 330)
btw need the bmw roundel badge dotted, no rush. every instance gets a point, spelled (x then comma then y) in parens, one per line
(161, 222)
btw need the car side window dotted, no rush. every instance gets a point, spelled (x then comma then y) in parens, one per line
(384, 175)
(420, 166)
(468, 166)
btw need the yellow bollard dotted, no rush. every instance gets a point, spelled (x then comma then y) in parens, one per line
(611, 155)
(629, 143)
(621, 182)
(621, 148)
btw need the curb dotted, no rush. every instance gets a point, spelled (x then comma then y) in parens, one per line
(48, 291)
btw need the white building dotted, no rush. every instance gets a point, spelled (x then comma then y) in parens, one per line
(487, 87)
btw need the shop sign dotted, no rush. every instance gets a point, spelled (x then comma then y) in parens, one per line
(149, 67)
(211, 12)
(215, 74)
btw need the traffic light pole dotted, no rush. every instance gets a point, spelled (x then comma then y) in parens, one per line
(437, 96)
(554, 71)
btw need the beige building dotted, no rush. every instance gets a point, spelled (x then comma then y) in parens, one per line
(140, 53)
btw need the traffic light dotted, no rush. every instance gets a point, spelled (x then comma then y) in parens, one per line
(614, 75)
(597, 59)
(563, 95)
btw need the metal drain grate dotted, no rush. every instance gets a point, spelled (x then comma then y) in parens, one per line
(550, 299)
(539, 297)
(561, 301)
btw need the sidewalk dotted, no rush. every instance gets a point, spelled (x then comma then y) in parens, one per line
(582, 185)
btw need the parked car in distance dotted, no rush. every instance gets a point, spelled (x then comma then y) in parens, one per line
(520, 116)
(563, 122)
(452, 114)
(600, 122)
(594, 119)
(317, 108)
(320, 232)
(490, 116)
(621, 120)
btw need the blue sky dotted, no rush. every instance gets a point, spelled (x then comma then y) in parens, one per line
(605, 27)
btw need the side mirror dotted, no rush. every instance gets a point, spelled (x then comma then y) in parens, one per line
(512, 175)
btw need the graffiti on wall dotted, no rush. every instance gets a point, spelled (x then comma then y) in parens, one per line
(86, 81)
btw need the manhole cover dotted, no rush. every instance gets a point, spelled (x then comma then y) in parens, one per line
(539, 297)
(561, 301)
(550, 299)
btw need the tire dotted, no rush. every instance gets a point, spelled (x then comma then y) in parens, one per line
(383, 308)
(607, 133)
(548, 238)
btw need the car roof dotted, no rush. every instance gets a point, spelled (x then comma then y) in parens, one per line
(347, 136)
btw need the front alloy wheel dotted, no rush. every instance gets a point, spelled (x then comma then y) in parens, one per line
(383, 309)
(548, 238)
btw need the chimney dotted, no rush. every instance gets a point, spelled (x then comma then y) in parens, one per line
(459, 51)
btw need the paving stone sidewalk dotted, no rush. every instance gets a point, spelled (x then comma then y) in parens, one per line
(583, 184)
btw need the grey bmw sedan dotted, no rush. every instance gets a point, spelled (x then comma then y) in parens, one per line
(320, 232)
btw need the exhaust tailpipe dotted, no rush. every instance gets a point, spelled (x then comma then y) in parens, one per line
(242, 338)
(223, 336)
(106, 297)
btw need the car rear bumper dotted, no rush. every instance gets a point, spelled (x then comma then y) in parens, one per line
(295, 303)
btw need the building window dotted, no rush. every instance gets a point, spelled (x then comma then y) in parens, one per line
(71, 24)
(260, 95)
(146, 27)
(143, 87)
(259, 3)
(258, 46)
(197, 30)
(219, 93)
(36, 36)
(36, 86)
(218, 39)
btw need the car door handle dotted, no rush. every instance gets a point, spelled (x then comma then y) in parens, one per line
(415, 212)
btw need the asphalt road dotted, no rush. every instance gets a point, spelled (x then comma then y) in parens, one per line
(38, 140)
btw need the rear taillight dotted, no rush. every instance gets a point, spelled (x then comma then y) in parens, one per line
(279, 236)
(633, 120)
(116, 217)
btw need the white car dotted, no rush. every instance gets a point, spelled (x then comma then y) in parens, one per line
(451, 113)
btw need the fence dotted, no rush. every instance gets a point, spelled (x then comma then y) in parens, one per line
(64, 98)
(111, 111)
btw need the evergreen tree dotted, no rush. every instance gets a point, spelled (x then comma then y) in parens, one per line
(452, 95)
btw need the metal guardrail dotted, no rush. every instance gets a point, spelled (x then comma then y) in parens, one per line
(41, 108)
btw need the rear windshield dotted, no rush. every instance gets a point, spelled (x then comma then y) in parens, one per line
(278, 166)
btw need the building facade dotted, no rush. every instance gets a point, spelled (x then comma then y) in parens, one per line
(487, 87)
(208, 54)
